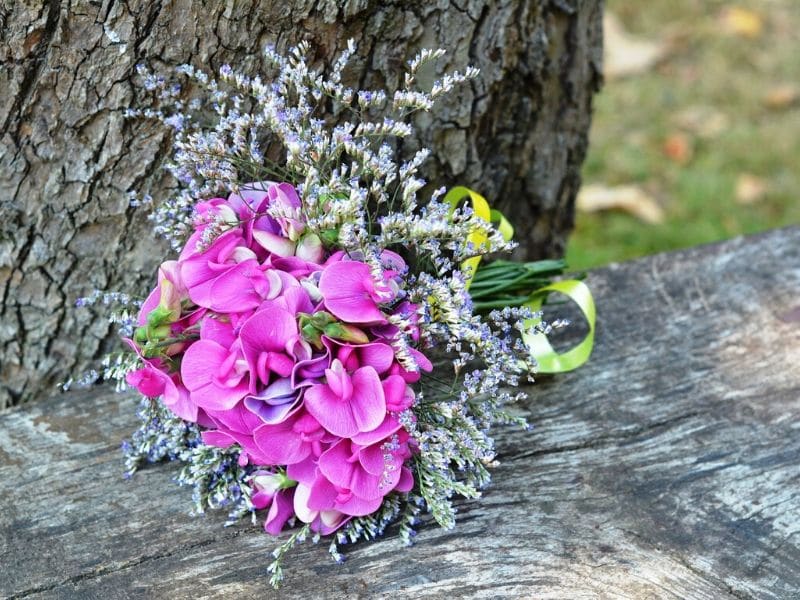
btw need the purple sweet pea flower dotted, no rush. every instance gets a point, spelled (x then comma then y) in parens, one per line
(281, 510)
(377, 355)
(226, 277)
(265, 337)
(250, 205)
(366, 472)
(216, 377)
(152, 382)
(279, 235)
(292, 440)
(276, 492)
(352, 295)
(275, 403)
(225, 438)
(308, 371)
(347, 404)
(324, 521)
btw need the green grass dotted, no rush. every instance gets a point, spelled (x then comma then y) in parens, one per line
(711, 70)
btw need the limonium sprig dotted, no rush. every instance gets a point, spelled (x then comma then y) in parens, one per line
(286, 355)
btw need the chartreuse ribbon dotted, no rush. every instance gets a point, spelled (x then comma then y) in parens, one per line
(548, 360)
(481, 209)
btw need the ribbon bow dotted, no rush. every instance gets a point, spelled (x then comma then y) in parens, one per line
(549, 361)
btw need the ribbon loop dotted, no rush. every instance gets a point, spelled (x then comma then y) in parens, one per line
(481, 209)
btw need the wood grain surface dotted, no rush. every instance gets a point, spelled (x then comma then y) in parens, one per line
(669, 467)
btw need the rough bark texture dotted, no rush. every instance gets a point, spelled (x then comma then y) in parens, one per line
(665, 468)
(68, 158)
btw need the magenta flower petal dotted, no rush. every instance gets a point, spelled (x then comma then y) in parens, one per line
(200, 363)
(394, 388)
(238, 289)
(268, 329)
(406, 481)
(371, 459)
(333, 413)
(290, 441)
(214, 398)
(148, 381)
(297, 300)
(347, 405)
(338, 462)
(304, 471)
(264, 338)
(285, 194)
(281, 510)
(322, 495)
(178, 400)
(421, 360)
(392, 260)
(217, 331)
(295, 266)
(389, 426)
(249, 449)
(359, 507)
(377, 355)
(366, 485)
(198, 267)
(274, 243)
(261, 500)
(280, 446)
(368, 402)
(237, 419)
(220, 439)
(413, 376)
(341, 465)
(346, 288)
(200, 373)
(251, 199)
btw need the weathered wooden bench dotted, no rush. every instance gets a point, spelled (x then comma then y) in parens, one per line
(669, 467)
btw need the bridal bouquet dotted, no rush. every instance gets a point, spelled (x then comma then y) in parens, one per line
(327, 352)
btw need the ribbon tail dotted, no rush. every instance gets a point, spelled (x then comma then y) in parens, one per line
(548, 359)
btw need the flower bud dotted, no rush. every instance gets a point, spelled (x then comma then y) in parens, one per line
(169, 303)
(311, 249)
(347, 333)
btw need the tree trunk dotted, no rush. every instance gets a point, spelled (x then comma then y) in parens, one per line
(68, 157)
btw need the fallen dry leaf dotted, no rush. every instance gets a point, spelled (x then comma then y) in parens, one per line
(678, 148)
(742, 22)
(624, 54)
(749, 189)
(629, 198)
(782, 96)
(703, 121)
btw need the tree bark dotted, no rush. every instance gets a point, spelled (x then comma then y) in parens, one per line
(68, 157)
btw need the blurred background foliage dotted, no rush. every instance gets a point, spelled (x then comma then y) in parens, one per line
(696, 134)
